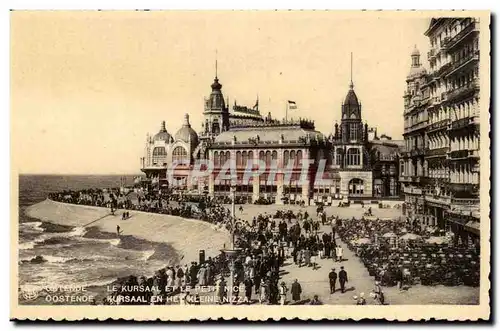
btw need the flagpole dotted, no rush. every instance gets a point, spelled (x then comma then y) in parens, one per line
(286, 111)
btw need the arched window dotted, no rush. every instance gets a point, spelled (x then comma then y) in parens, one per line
(286, 158)
(250, 157)
(215, 127)
(222, 159)
(356, 186)
(244, 158)
(292, 158)
(159, 156)
(353, 157)
(268, 158)
(261, 156)
(338, 156)
(228, 156)
(299, 158)
(180, 155)
(275, 155)
(239, 162)
(216, 159)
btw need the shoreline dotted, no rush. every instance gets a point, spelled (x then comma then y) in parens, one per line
(186, 236)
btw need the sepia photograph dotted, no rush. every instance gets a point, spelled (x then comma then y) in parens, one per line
(250, 163)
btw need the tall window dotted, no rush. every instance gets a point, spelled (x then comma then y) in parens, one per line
(338, 156)
(216, 159)
(244, 157)
(268, 158)
(180, 155)
(159, 156)
(292, 158)
(299, 158)
(215, 127)
(353, 156)
(286, 158)
(239, 160)
(353, 131)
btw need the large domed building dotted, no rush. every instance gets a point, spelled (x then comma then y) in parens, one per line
(359, 165)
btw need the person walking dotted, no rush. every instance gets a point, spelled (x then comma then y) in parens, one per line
(342, 279)
(283, 290)
(296, 290)
(332, 276)
(340, 253)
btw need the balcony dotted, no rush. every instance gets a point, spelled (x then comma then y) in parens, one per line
(450, 43)
(443, 124)
(438, 199)
(418, 152)
(464, 122)
(464, 154)
(465, 201)
(444, 69)
(415, 127)
(436, 152)
(431, 54)
(463, 62)
(463, 91)
(464, 188)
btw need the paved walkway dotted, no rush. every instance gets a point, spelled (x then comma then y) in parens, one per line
(315, 282)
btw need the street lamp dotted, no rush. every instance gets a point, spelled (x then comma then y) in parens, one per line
(232, 253)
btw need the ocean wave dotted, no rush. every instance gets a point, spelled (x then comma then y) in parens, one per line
(146, 255)
(62, 259)
(31, 226)
(27, 245)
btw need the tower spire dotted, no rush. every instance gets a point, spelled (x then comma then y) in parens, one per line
(215, 63)
(351, 85)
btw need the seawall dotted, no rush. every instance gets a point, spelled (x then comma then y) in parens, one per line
(187, 236)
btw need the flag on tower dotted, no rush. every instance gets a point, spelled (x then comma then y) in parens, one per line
(292, 104)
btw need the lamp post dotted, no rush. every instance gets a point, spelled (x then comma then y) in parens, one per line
(233, 252)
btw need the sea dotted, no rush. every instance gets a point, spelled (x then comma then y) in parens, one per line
(65, 257)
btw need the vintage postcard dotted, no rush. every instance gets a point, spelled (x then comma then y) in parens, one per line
(250, 164)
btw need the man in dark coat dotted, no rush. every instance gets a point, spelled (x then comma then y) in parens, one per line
(296, 290)
(342, 279)
(332, 276)
(248, 290)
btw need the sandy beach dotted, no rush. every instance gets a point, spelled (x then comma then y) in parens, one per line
(187, 236)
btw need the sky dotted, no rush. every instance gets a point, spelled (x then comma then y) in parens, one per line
(86, 87)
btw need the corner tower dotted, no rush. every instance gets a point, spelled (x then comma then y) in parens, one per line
(216, 113)
(351, 125)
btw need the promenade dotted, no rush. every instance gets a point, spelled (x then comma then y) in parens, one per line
(190, 236)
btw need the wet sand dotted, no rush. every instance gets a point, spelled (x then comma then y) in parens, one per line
(187, 236)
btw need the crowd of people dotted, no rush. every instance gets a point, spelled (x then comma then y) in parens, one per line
(395, 256)
(267, 241)
(264, 243)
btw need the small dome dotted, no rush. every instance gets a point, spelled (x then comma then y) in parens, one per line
(417, 72)
(415, 52)
(186, 133)
(162, 135)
